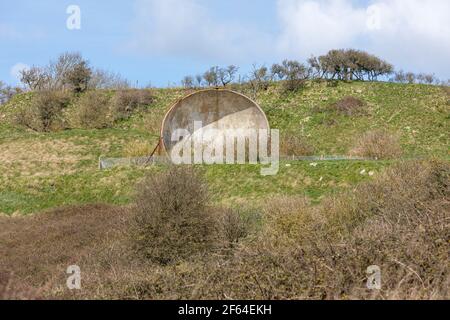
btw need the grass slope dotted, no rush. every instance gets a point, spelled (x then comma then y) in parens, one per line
(40, 171)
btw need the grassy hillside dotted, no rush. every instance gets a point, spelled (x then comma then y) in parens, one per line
(309, 232)
(46, 170)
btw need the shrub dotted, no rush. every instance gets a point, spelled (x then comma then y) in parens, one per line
(92, 111)
(293, 73)
(395, 222)
(378, 144)
(259, 79)
(348, 106)
(233, 225)
(45, 113)
(125, 102)
(295, 145)
(172, 220)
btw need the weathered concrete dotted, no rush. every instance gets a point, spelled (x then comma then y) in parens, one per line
(216, 108)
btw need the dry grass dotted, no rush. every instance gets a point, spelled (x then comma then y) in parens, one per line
(137, 149)
(378, 144)
(38, 249)
(11, 289)
(294, 145)
(39, 158)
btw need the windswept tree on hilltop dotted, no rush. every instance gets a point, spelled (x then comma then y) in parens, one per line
(350, 64)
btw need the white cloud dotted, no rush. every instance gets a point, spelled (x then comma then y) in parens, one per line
(17, 69)
(411, 34)
(312, 27)
(406, 32)
(186, 28)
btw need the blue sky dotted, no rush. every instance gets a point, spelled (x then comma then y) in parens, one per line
(160, 41)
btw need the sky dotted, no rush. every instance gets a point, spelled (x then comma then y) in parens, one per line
(158, 42)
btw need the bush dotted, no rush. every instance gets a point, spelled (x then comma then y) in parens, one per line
(92, 111)
(259, 79)
(292, 72)
(45, 113)
(172, 220)
(294, 145)
(125, 102)
(395, 222)
(233, 225)
(378, 144)
(348, 106)
(300, 250)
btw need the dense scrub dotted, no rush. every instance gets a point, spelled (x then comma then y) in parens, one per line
(398, 222)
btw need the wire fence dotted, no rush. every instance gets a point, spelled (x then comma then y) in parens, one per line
(107, 163)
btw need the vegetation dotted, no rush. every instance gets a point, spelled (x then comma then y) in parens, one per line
(378, 144)
(207, 232)
(172, 221)
(398, 222)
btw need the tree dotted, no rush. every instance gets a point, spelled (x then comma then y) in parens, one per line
(78, 77)
(212, 77)
(259, 78)
(102, 79)
(69, 71)
(350, 64)
(410, 77)
(35, 78)
(427, 78)
(188, 82)
(199, 80)
(227, 75)
(292, 72)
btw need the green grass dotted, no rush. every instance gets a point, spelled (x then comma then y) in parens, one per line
(39, 171)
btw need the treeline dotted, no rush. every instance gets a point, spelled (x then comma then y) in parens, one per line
(71, 72)
(343, 64)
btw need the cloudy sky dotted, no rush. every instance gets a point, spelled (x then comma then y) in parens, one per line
(160, 41)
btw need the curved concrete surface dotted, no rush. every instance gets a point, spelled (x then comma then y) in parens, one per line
(217, 109)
